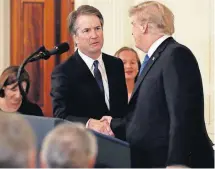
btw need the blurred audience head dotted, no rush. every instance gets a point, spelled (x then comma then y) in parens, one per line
(17, 142)
(69, 145)
(131, 62)
(9, 89)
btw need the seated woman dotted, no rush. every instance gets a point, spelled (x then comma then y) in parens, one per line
(11, 99)
(132, 65)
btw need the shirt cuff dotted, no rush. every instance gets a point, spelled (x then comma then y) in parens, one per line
(87, 124)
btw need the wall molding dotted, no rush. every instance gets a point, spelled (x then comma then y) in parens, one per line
(4, 34)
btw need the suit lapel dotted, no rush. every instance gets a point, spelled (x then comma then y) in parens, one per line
(150, 63)
(83, 70)
(143, 74)
(110, 77)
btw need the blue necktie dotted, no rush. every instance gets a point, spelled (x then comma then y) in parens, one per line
(146, 59)
(98, 76)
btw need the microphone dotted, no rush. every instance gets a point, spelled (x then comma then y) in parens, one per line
(45, 54)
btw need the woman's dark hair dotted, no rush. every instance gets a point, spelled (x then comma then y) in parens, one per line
(125, 48)
(8, 77)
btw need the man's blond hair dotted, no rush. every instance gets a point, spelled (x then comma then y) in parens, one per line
(157, 15)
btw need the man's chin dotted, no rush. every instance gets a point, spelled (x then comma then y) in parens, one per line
(129, 78)
(96, 50)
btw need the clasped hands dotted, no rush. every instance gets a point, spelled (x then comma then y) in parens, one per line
(102, 125)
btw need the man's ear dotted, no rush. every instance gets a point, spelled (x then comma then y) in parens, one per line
(144, 27)
(75, 38)
(42, 162)
(92, 162)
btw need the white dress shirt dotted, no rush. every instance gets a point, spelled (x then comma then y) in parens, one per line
(156, 44)
(89, 62)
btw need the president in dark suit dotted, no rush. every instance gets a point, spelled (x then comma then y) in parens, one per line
(165, 126)
(90, 84)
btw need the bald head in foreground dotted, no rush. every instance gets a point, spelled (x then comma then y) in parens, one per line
(17, 142)
(69, 145)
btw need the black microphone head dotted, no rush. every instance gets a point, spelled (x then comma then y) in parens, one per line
(59, 49)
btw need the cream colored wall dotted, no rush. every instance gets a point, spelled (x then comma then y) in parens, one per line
(4, 34)
(195, 27)
(212, 106)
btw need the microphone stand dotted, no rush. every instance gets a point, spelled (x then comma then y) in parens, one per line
(22, 66)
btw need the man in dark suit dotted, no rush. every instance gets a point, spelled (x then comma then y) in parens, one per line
(165, 126)
(90, 84)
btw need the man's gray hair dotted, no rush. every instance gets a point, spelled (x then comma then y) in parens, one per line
(82, 10)
(69, 145)
(156, 14)
(17, 141)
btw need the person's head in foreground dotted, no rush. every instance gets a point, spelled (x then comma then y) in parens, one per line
(69, 145)
(17, 142)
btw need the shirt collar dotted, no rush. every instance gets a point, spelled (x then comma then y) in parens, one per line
(89, 61)
(156, 44)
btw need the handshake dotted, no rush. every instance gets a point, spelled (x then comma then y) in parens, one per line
(101, 126)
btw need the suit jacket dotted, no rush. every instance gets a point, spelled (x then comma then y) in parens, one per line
(167, 106)
(76, 95)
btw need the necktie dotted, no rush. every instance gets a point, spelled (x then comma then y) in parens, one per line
(146, 59)
(98, 76)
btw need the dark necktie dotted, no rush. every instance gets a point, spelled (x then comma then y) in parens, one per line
(98, 76)
(146, 59)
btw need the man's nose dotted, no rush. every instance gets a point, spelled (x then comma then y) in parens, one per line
(127, 65)
(94, 34)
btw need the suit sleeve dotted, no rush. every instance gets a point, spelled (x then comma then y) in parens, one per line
(124, 94)
(60, 97)
(118, 124)
(184, 97)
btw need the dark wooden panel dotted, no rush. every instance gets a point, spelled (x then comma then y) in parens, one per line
(49, 42)
(33, 22)
(67, 6)
(16, 33)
